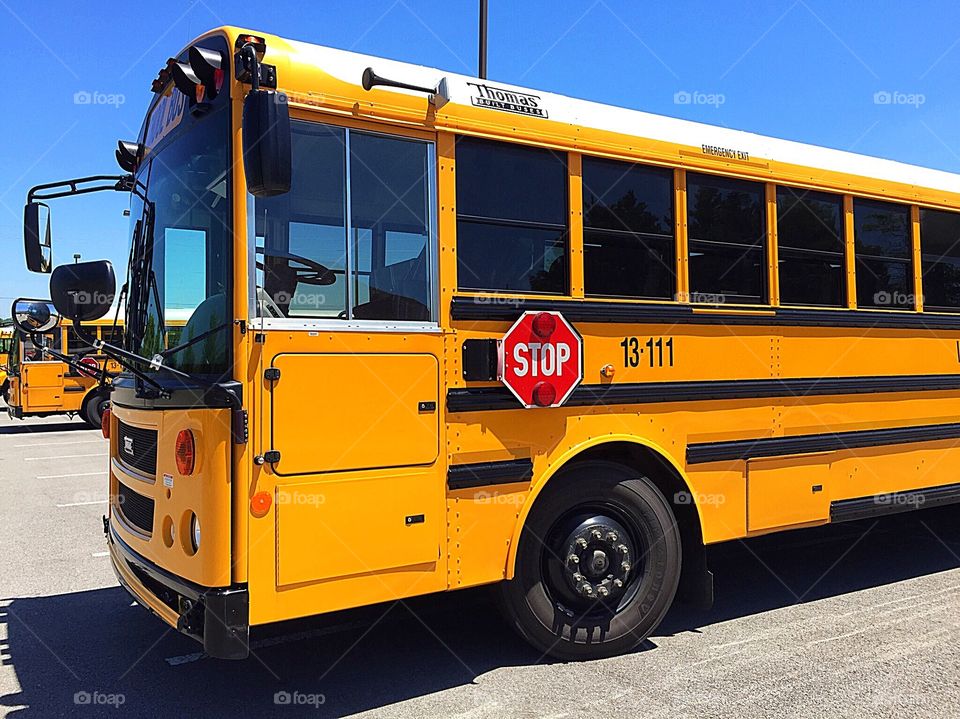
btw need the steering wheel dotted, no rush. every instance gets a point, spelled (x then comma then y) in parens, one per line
(309, 272)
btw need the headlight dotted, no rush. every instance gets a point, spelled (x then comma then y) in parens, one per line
(195, 532)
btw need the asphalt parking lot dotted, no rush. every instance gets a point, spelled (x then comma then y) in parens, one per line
(854, 620)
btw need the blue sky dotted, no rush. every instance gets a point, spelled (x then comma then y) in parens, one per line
(807, 70)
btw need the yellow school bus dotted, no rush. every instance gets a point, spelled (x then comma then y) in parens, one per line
(767, 334)
(6, 340)
(40, 385)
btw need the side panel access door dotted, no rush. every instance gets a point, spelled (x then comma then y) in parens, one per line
(41, 386)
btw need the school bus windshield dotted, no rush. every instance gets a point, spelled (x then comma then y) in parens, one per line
(180, 240)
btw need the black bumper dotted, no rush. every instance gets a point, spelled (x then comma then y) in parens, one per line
(216, 617)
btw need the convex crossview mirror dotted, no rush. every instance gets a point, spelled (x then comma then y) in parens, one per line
(37, 242)
(84, 291)
(34, 315)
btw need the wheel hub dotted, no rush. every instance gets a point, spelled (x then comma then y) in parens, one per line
(599, 555)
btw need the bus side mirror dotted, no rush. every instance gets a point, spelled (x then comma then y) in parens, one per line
(83, 291)
(37, 243)
(34, 316)
(267, 161)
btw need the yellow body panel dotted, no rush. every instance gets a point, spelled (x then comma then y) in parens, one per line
(367, 419)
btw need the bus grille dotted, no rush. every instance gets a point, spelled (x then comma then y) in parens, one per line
(137, 447)
(136, 509)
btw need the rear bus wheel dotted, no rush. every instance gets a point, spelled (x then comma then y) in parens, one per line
(597, 566)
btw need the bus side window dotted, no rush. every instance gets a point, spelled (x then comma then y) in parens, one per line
(727, 244)
(884, 255)
(810, 247)
(940, 247)
(511, 217)
(628, 230)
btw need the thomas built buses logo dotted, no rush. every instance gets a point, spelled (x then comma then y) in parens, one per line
(507, 100)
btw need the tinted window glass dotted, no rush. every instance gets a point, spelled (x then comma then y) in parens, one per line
(810, 247)
(628, 229)
(304, 253)
(510, 182)
(727, 237)
(511, 217)
(884, 264)
(940, 245)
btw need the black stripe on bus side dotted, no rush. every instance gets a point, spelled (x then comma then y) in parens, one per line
(700, 453)
(877, 505)
(477, 399)
(481, 309)
(482, 474)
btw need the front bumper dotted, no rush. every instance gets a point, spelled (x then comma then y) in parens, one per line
(219, 618)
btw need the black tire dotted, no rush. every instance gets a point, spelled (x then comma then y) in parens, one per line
(93, 408)
(568, 618)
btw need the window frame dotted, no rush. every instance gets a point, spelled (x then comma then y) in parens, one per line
(565, 228)
(927, 307)
(671, 239)
(907, 261)
(763, 245)
(334, 324)
(807, 252)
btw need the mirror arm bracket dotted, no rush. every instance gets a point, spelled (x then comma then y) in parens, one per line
(50, 191)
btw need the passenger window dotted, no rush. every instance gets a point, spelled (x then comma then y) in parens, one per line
(511, 217)
(727, 240)
(317, 257)
(810, 247)
(940, 245)
(628, 230)
(884, 255)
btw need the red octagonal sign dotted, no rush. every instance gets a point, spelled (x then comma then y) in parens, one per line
(541, 359)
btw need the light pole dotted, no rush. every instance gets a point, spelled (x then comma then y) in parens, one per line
(483, 40)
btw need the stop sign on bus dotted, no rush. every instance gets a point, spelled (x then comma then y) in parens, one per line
(541, 359)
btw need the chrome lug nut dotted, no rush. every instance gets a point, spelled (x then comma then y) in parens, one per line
(581, 542)
(574, 559)
(625, 566)
(596, 534)
(603, 591)
(618, 583)
(612, 537)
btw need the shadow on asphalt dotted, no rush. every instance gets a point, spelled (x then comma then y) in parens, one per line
(41, 428)
(96, 642)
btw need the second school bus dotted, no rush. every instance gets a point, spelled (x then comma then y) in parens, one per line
(39, 385)
(769, 341)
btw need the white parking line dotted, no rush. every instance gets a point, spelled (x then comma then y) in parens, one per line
(100, 554)
(83, 504)
(78, 474)
(59, 444)
(62, 456)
